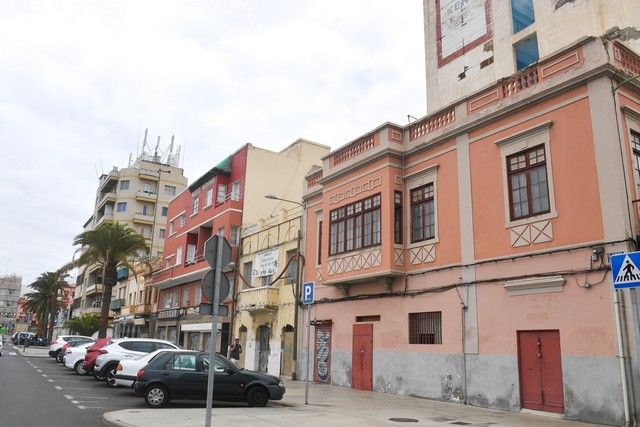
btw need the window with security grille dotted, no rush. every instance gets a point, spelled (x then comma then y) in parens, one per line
(425, 328)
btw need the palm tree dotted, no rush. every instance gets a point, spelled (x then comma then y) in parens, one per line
(86, 324)
(109, 246)
(45, 300)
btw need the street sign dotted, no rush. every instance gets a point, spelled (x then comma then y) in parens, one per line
(308, 291)
(211, 251)
(208, 282)
(625, 271)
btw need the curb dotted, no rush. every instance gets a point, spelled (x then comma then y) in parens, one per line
(112, 422)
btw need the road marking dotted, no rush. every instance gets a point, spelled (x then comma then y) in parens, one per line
(91, 407)
(68, 396)
(50, 381)
(39, 370)
(44, 375)
(76, 388)
(12, 354)
(81, 407)
(57, 387)
(92, 397)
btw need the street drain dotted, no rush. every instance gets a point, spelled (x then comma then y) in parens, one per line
(404, 420)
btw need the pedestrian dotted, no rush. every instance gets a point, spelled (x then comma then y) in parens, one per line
(234, 351)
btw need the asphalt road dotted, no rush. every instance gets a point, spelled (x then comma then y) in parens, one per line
(37, 391)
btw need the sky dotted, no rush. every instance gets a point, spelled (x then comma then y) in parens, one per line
(81, 80)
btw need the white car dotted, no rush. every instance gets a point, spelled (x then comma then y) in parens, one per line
(127, 370)
(74, 357)
(123, 349)
(61, 340)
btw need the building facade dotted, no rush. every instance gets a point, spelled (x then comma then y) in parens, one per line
(10, 287)
(267, 280)
(227, 198)
(464, 257)
(471, 44)
(138, 196)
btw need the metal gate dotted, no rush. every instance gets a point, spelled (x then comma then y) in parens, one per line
(322, 359)
(263, 350)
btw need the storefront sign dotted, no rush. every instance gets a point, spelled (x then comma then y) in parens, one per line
(266, 264)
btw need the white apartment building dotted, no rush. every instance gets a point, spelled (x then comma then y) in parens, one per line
(470, 44)
(137, 195)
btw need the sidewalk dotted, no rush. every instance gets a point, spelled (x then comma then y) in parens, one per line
(336, 406)
(31, 351)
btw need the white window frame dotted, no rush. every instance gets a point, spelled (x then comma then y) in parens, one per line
(123, 204)
(162, 233)
(121, 187)
(235, 191)
(170, 190)
(195, 205)
(234, 235)
(513, 144)
(172, 228)
(413, 181)
(178, 255)
(209, 197)
(222, 191)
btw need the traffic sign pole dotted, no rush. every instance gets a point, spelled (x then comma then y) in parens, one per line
(306, 381)
(308, 297)
(214, 331)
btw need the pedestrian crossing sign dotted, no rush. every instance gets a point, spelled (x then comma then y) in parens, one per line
(625, 271)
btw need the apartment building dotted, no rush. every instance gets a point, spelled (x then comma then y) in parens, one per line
(10, 287)
(228, 197)
(137, 195)
(471, 44)
(464, 257)
(267, 280)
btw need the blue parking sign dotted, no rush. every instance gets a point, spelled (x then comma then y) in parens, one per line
(625, 271)
(308, 290)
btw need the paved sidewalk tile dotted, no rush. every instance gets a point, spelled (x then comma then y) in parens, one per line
(31, 351)
(338, 406)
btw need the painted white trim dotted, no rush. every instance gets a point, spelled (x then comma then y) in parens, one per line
(534, 285)
(528, 138)
(198, 327)
(415, 180)
(210, 219)
(177, 216)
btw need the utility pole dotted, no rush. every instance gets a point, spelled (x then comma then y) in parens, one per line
(296, 294)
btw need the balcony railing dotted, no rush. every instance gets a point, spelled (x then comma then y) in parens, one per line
(312, 180)
(95, 288)
(432, 123)
(171, 313)
(256, 299)
(629, 61)
(107, 197)
(144, 217)
(146, 195)
(116, 304)
(352, 150)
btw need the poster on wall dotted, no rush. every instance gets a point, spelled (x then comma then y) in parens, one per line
(461, 25)
(265, 264)
(322, 356)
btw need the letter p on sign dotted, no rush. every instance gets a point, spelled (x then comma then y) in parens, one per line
(308, 292)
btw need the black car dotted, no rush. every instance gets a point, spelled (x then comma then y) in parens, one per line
(183, 375)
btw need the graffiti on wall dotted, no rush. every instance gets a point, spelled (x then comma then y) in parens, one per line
(322, 365)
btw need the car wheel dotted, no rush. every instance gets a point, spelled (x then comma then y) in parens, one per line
(111, 376)
(79, 368)
(97, 376)
(258, 396)
(156, 396)
(59, 357)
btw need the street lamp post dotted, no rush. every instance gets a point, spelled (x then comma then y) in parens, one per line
(296, 294)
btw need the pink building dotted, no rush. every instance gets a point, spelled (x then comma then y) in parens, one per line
(464, 257)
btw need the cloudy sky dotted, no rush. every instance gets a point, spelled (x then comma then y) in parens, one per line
(81, 80)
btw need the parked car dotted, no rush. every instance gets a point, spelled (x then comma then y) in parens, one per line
(127, 369)
(124, 348)
(70, 344)
(57, 345)
(93, 353)
(183, 375)
(21, 337)
(74, 357)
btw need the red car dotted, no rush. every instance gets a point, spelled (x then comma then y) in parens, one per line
(93, 352)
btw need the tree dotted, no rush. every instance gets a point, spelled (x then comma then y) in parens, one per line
(45, 299)
(109, 245)
(86, 324)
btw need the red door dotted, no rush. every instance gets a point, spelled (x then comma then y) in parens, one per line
(362, 357)
(540, 366)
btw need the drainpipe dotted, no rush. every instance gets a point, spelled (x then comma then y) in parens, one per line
(463, 312)
(623, 368)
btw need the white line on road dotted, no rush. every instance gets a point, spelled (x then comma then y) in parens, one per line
(90, 407)
(50, 381)
(44, 375)
(68, 396)
(39, 370)
(77, 388)
(12, 354)
(57, 387)
(91, 397)
(81, 407)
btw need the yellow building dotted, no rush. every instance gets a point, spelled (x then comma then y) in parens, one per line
(264, 314)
